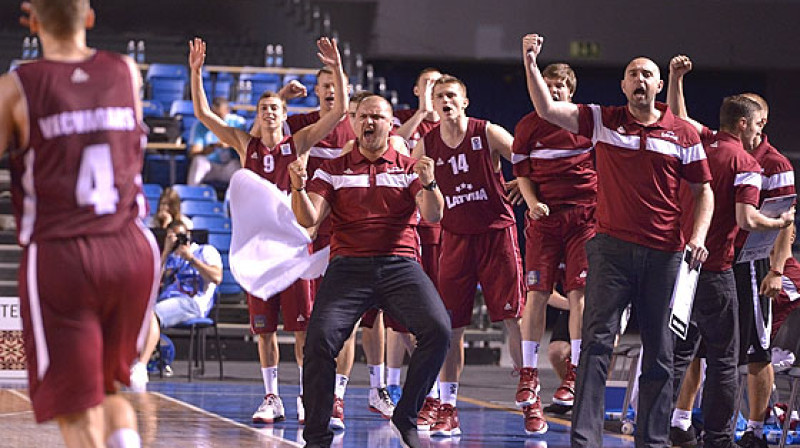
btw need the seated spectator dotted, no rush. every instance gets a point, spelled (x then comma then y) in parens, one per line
(211, 160)
(190, 273)
(169, 211)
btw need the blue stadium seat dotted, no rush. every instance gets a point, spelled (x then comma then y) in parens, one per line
(152, 206)
(185, 109)
(229, 286)
(152, 191)
(309, 79)
(152, 108)
(261, 83)
(196, 192)
(222, 85)
(197, 337)
(157, 168)
(222, 241)
(167, 71)
(201, 208)
(166, 90)
(213, 224)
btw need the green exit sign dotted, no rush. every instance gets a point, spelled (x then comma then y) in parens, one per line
(584, 49)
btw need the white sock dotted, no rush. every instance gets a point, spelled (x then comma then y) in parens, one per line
(300, 368)
(434, 393)
(530, 354)
(376, 376)
(270, 377)
(681, 419)
(448, 392)
(756, 427)
(124, 438)
(576, 351)
(393, 375)
(341, 386)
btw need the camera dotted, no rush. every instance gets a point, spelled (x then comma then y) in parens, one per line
(181, 239)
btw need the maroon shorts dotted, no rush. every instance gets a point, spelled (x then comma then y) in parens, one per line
(294, 304)
(85, 310)
(491, 259)
(560, 236)
(369, 318)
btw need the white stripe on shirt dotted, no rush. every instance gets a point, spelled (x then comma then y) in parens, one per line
(753, 179)
(779, 180)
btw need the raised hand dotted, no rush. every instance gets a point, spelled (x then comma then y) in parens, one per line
(293, 89)
(531, 47)
(298, 174)
(329, 52)
(197, 53)
(25, 18)
(680, 65)
(426, 99)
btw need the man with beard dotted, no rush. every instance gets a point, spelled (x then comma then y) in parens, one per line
(643, 152)
(372, 195)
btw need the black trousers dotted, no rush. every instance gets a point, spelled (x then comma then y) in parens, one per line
(351, 286)
(619, 273)
(715, 319)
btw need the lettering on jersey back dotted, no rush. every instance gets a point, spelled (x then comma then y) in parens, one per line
(88, 120)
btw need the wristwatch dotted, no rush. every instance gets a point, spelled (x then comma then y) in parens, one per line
(431, 186)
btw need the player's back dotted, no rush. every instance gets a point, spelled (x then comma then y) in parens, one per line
(80, 173)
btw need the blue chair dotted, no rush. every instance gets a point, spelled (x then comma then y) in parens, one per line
(310, 78)
(203, 208)
(166, 90)
(152, 206)
(261, 83)
(221, 241)
(167, 71)
(196, 192)
(229, 286)
(197, 328)
(222, 85)
(214, 224)
(152, 191)
(184, 109)
(152, 108)
(158, 168)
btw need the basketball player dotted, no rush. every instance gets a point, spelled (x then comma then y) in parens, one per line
(89, 269)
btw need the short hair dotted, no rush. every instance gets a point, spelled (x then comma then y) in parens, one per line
(758, 99)
(271, 94)
(360, 96)
(61, 18)
(219, 101)
(564, 72)
(424, 72)
(382, 99)
(326, 70)
(734, 108)
(450, 79)
(176, 223)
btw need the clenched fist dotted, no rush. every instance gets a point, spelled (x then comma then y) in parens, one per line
(298, 174)
(424, 169)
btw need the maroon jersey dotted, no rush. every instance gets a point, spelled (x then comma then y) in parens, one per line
(559, 162)
(474, 194)
(777, 177)
(272, 163)
(373, 204)
(736, 179)
(639, 169)
(787, 300)
(425, 126)
(329, 147)
(80, 174)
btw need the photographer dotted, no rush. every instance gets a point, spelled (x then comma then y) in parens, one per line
(190, 273)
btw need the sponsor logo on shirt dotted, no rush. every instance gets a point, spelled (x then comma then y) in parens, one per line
(79, 76)
(348, 171)
(472, 196)
(286, 149)
(259, 321)
(507, 307)
(300, 318)
(476, 143)
(621, 129)
(582, 274)
(539, 144)
(670, 135)
(532, 278)
(394, 169)
(254, 156)
(439, 162)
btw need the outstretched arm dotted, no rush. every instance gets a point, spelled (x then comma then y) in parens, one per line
(233, 137)
(561, 113)
(310, 135)
(406, 130)
(678, 67)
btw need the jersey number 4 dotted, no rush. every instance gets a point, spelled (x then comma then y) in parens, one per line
(459, 163)
(95, 184)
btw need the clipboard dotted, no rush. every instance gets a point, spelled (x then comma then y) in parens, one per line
(759, 244)
(683, 295)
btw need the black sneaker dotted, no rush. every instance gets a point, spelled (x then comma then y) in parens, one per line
(558, 409)
(749, 440)
(408, 435)
(682, 438)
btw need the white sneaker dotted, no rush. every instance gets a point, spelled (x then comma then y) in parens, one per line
(270, 410)
(301, 411)
(380, 402)
(139, 378)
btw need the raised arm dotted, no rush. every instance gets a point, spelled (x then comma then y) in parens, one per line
(703, 209)
(310, 135)
(429, 200)
(231, 136)
(419, 149)
(561, 113)
(310, 209)
(678, 67)
(406, 130)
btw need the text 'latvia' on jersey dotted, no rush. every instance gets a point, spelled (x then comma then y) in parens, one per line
(80, 174)
(272, 163)
(473, 191)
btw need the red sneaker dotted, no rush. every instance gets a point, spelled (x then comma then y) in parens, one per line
(565, 394)
(428, 414)
(337, 416)
(528, 387)
(534, 419)
(447, 424)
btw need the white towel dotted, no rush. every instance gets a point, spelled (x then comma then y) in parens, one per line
(269, 249)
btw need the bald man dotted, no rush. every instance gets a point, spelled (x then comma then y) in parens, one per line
(643, 153)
